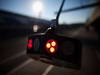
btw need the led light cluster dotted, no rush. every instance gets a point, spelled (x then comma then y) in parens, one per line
(51, 46)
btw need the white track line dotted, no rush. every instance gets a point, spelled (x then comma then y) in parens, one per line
(49, 68)
(20, 66)
(13, 57)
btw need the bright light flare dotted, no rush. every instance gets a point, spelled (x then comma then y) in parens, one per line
(38, 6)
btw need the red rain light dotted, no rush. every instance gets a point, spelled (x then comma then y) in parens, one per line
(30, 41)
(29, 44)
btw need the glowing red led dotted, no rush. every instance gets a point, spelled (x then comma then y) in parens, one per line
(29, 44)
(30, 41)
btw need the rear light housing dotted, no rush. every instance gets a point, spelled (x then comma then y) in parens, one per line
(51, 46)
